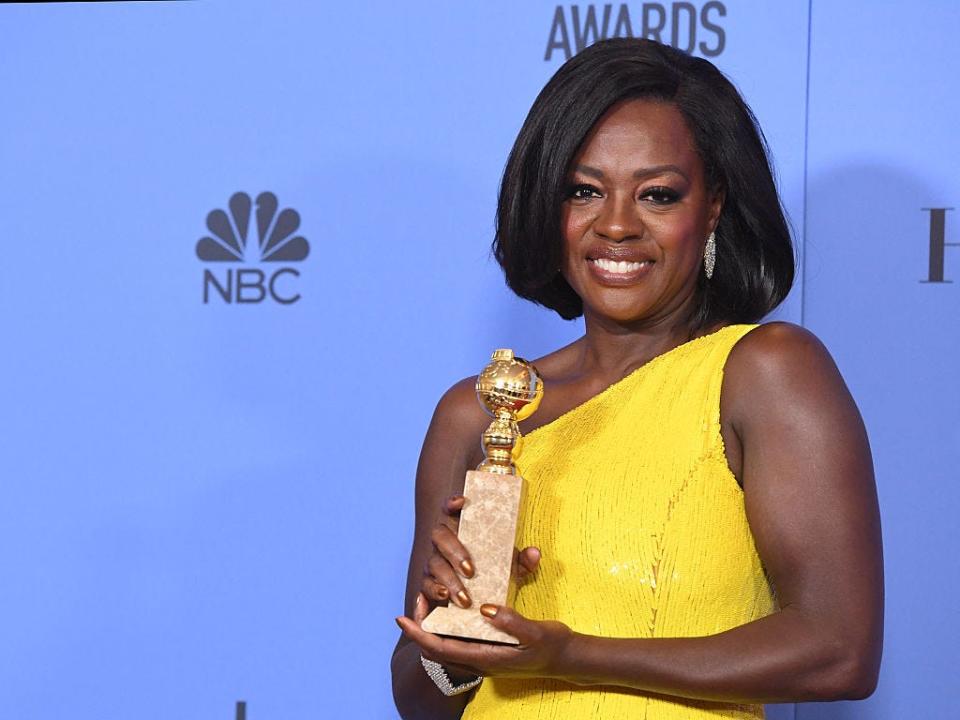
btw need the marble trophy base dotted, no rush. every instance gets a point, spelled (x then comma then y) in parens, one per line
(488, 529)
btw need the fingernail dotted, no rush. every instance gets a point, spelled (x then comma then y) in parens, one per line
(467, 568)
(442, 593)
(419, 599)
(399, 624)
(463, 598)
(488, 610)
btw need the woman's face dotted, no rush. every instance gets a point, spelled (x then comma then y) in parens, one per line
(636, 216)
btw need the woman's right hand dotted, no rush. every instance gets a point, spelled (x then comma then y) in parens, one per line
(450, 561)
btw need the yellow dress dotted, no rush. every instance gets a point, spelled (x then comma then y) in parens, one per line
(643, 533)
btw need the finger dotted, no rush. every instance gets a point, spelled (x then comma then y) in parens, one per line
(452, 668)
(434, 590)
(440, 569)
(454, 504)
(432, 646)
(448, 545)
(471, 657)
(511, 622)
(420, 609)
(529, 560)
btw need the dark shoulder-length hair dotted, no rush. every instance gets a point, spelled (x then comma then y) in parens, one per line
(754, 257)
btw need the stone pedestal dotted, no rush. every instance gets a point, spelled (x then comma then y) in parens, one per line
(488, 530)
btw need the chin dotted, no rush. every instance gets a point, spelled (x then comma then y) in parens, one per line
(620, 314)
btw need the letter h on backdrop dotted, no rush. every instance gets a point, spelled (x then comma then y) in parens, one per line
(938, 244)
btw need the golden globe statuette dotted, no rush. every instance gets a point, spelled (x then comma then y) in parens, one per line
(510, 389)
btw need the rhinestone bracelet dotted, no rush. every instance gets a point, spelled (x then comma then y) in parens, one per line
(439, 676)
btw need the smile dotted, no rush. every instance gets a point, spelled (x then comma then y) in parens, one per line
(617, 273)
(623, 267)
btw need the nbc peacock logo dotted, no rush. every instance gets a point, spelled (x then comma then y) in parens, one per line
(231, 242)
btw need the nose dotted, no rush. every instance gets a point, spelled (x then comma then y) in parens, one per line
(618, 220)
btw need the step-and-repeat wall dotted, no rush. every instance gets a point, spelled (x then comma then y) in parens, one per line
(248, 248)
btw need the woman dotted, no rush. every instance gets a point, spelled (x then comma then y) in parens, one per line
(700, 488)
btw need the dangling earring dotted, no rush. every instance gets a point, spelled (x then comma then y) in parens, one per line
(710, 256)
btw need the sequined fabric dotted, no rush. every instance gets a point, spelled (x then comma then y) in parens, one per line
(642, 529)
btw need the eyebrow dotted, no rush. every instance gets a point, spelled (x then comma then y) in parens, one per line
(637, 174)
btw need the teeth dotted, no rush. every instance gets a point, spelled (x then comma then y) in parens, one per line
(619, 267)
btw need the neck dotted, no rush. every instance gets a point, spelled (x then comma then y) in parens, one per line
(611, 350)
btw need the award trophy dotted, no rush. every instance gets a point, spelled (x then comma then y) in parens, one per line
(510, 389)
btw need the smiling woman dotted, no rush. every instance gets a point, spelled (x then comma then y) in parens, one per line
(637, 214)
(680, 560)
(755, 270)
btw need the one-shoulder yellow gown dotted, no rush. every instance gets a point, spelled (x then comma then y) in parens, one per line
(643, 533)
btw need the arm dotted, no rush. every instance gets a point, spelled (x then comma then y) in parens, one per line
(448, 449)
(811, 502)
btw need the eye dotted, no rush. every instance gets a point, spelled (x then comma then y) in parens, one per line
(582, 192)
(660, 195)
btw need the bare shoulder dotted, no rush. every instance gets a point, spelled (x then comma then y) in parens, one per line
(778, 348)
(781, 381)
(458, 405)
(459, 420)
(779, 360)
(458, 410)
(453, 439)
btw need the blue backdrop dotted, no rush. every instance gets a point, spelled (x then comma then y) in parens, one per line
(191, 512)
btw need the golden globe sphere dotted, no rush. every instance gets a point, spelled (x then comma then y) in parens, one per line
(509, 383)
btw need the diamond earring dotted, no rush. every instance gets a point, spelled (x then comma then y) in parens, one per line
(710, 255)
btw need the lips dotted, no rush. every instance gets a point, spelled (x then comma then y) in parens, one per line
(618, 265)
(622, 267)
